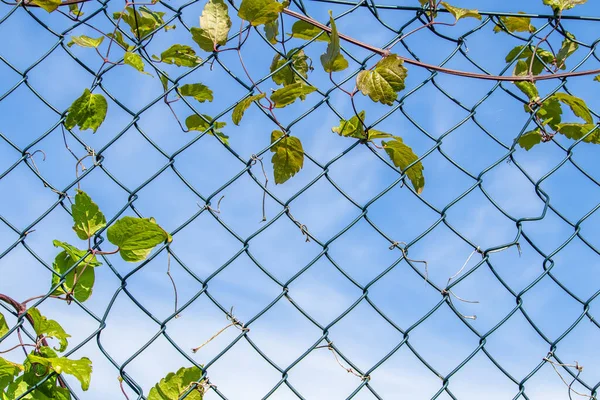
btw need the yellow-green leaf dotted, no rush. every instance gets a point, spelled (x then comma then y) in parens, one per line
(142, 22)
(288, 94)
(214, 26)
(80, 369)
(49, 328)
(272, 31)
(85, 41)
(134, 60)
(306, 31)
(568, 47)
(354, 127)
(136, 237)
(259, 12)
(459, 13)
(333, 60)
(180, 55)
(288, 158)
(118, 37)
(402, 156)
(48, 5)
(578, 131)
(174, 385)
(529, 89)
(242, 106)
(78, 282)
(530, 139)
(87, 216)
(515, 24)
(561, 5)
(576, 105)
(3, 325)
(198, 91)
(296, 66)
(87, 112)
(383, 83)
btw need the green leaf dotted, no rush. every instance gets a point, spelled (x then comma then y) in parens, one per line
(48, 5)
(259, 12)
(288, 94)
(561, 5)
(242, 106)
(214, 26)
(136, 237)
(530, 139)
(576, 105)
(306, 31)
(577, 131)
(288, 158)
(383, 83)
(75, 11)
(79, 282)
(118, 37)
(3, 326)
(86, 41)
(135, 60)
(164, 80)
(515, 24)
(174, 385)
(529, 89)
(142, 22)
(549, 112)
(180, 55)
(78, 254)
(272, 31)
(49, 328)
(525, 54)
(566, 50)
(375, 134)
(461, 12)
(333, 60)
(402, 156)
(87, 216)
(597, 78)
(87, 112)
(293, 70)
(354, 127)
(80, 369)
(198, 91)
(196, 123)
(8, 372)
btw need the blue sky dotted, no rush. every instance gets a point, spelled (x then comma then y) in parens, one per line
(204, 246)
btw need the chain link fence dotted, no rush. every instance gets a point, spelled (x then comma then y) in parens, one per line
(202, 190)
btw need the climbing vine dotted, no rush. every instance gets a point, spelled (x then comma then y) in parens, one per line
(40, 375)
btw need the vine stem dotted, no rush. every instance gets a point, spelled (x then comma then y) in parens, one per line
(466, 74)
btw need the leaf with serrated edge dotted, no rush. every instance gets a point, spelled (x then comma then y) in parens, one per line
(562, 5)
(383, 83)
(530, 139)
(459, 13)
(79, 281)
(259, 12)
(198, 91)
(87, 112)
(288, 94)
(352, 127)
(304, 30)
(515, 24)
(175, 384)
(136, 237)
(85, 41)
(290, 69)
(288, 158)
(87, 216)
(80, 369)
(333, 60)
(180, 55)
(402, 156)
(242, 106)
(577, 131)
(576, 105)
(135, 60)
(214, 26)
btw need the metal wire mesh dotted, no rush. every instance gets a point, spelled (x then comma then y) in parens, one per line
(281, 207)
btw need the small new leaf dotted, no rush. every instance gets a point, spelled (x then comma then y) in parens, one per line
(135, 60)
(86, 41)
(242, 106)
(402, 156)
(75, 11)
(180, 55)
(198, 91)
(569, 46)
(459, 13)
(515, 24)
(49, 328)
(214, 26)
(3, 325)
(333, 60)
(48, 5)
(306, 31)
(259, 12)
(174, 385)
(118, 37)
(197, 123)
(530, 139)
(136, 237)
(80, 369)
(87, 216)
(383, 83)
(87, 112)
(288, 94)
(288, 158)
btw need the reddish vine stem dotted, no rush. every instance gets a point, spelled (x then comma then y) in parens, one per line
(466, 74)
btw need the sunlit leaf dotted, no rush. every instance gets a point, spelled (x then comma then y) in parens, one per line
(198, 91)
(272, 31)
(569, 46)
(142, 22)
(259, 12)
(402, 156)
(87, 216)
(87, 112)
(214, 26)
(576, 105)
(80, 369)
(242, 106)
(136, 237)
(86, 41)
(293, 70)
(290, 93)
(174, 385)
(78, 282)
(333, 60)
(180, 55)
(304, 30)
(134, 60)
(48, 5)
(515, 24)
(561, 5)
(288, 158)
(383, 83)
(49, 328)
(354, 127)
(459, 13)
(578, 131)
(530, 139)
